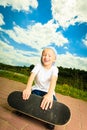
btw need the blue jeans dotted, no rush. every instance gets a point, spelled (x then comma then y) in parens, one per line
(41, 93)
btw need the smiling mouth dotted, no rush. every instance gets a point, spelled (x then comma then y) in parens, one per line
(46, 60)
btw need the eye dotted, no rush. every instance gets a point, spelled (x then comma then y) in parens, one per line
(43, 55)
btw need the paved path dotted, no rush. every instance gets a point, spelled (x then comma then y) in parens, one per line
(10, 120)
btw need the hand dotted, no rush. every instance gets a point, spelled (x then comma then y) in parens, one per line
(26, 94)
(47, 102)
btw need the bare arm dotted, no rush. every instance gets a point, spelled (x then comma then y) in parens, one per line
(27, 91)
(48, 98)
(52, 85)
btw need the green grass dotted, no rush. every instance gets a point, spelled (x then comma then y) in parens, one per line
(70, 91)
(14, 76)
(62, 89)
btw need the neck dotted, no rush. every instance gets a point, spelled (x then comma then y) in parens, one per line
(47, 66)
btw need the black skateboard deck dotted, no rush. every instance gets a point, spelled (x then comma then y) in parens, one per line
(59, 114)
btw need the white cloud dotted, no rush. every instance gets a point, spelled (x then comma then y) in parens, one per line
(1, 20)
(38, 35)
(69, 12)
(85, 40)
(72, 61)
(10, 55)
(20, 4)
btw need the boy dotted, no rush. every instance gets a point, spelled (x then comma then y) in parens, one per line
(45, 76)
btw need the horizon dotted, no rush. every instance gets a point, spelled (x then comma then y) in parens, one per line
(34, 65)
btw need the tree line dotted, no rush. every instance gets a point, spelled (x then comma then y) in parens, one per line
(72, 77)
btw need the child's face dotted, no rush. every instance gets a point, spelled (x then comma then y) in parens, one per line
(48, 57)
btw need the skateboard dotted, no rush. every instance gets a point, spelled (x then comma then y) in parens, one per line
(59, 114)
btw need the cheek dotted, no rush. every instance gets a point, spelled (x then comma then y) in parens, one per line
(42, 58)
(53, 59)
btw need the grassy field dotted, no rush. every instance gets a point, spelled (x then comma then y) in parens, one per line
(62, 89)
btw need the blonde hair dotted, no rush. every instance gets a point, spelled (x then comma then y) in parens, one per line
(54, 51)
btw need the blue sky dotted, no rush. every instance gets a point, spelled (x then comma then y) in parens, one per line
(26, 27)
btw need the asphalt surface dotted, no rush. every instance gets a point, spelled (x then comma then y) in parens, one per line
(11, 120)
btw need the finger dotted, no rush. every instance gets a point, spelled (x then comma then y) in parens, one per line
(43, 103)
(50, 105)
(46, 105)
(25, 96)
